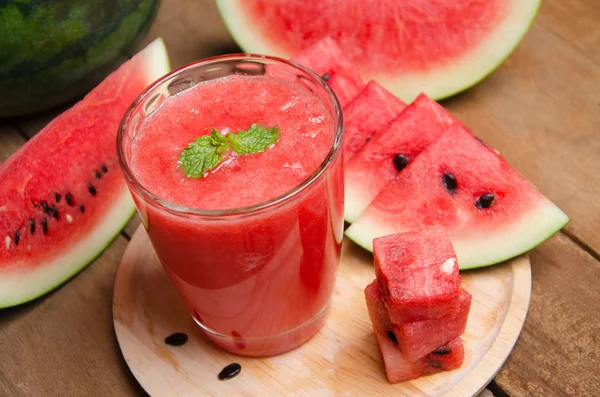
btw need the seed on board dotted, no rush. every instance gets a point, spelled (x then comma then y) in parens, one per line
(392, 336)
(92, 189)
(44, 225)
(449, 182)
(176, 339)
(57, 197)
(69, 198)
(484, 201)
(17, 237)
(400, 161)
(31, 225)
(230, 371)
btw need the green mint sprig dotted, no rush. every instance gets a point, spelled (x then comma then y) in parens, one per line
(205, 153)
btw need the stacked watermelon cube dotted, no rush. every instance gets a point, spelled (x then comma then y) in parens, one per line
(416, 304)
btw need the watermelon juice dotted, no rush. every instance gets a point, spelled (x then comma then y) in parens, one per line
(252, 245)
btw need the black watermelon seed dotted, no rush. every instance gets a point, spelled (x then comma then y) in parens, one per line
(31, 225)
(230, 371)
(34, 204)
(57, 197)
(92, 190)
(81, 208)
(53, 212)
(69, 198)
(481, 141)
(176, 339)
(17, 237)
(103, 168)
(44, 225)
(98, 174)
(442, 350)
(400, 161)
(326, 77)
(449, 183)
(484, 201)
(435, 364)
(45, 206)
(392, 337)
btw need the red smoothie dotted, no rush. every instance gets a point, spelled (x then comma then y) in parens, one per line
(257, 280)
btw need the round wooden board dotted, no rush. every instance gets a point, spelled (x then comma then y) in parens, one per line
(341, 360)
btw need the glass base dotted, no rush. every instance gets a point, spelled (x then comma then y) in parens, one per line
(271, 346)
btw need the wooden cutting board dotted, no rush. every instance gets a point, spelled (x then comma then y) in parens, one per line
(341, 360)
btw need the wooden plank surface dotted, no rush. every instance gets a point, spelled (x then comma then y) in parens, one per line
(540, 109)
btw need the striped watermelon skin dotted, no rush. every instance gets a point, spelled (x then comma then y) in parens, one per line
(57, 50)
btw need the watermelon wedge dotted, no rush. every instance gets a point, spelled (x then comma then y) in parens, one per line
(63, 197)
(432, 46)
(326, 59)
(388, 152)
(368, 113)
(490, 211)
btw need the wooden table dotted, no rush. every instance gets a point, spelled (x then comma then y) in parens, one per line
(541, 109)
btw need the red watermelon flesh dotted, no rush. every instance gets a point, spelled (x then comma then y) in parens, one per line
(432, 46)
(327, 60)
(418, 274)
(397, 366)
(490, 211)
(368, 113)
(63, 197)
(419, 338)
(388, 152)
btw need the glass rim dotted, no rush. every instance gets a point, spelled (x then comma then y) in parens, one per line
(245, 210)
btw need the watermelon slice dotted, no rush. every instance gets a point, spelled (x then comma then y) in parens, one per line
(490, 211)
(63, 197)
(431, 46)
(368, 113)
(388, 152)
(418, 274)
(327, 60)
(397, 366)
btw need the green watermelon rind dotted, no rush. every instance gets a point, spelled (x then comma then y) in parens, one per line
(439, 82)
(18, 287)
(367, 227)
(50, 58)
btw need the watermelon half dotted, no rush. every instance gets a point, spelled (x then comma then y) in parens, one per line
(432, 46)
(63, 197)
(490, 211)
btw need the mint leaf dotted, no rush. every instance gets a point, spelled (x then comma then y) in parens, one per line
(205, 152)
(256, 139)
(219, 141)
(200, 156)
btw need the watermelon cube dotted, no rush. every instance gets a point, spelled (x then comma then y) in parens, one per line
(368, 113)
(398, 367)
(418, 274)
(326, 59)
(417, 339)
